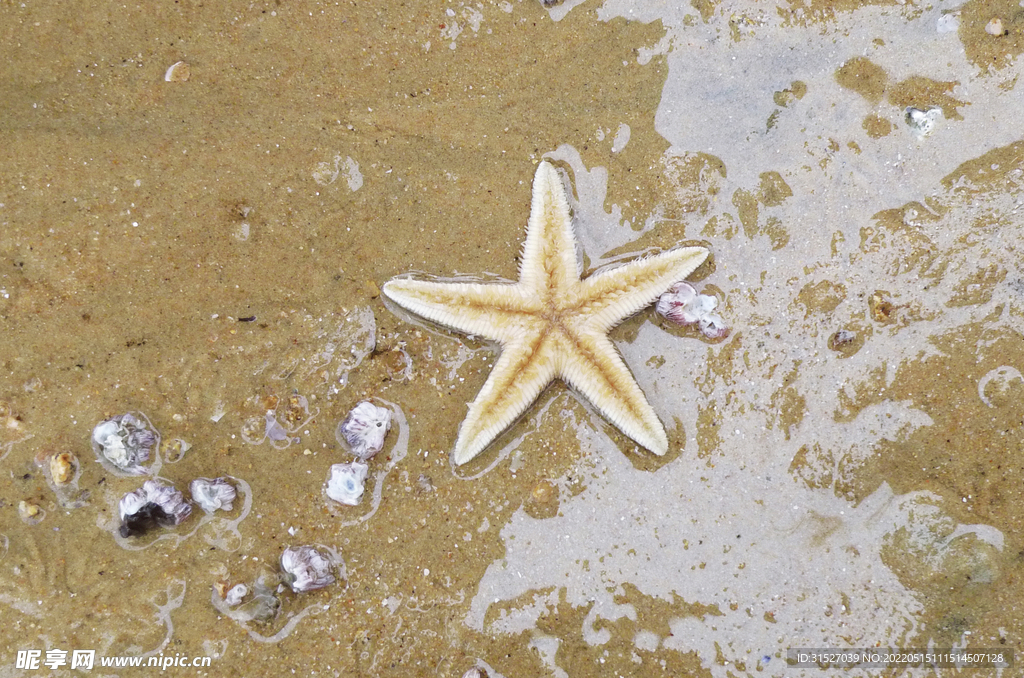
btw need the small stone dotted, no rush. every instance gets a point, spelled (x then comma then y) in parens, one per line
(881, 308)
(543, 492)
(175, 450)
(221, 588)
(543, 501)
(30, 512)
(922, 123)
(63, 467)
(995, 27)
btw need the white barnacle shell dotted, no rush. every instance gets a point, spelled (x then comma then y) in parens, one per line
(153, 504)
(345, 485)
(676, 304)
(712, 326)
(132, 503)
(124, 441)
(236, 595)
(306, 569)
(261, 606)
(682, 305)
(922, 123)
(364, 429)
(212, 495)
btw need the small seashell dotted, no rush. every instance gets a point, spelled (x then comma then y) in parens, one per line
(236, 594)
(125, 442)
(841, 338)
(220, 588)
(922, 123)
(364, 429)
(212, 495)
(425, 483)
(63, 467)
(296, 411)
(712, 326)
(30, 512)
(152, 505)
(674, 304)
(948, 23)
(178, 72)
(306, 569)
(175, 450)
(262, 606)
(345, 485)
(273, 429)
(995, 27)
(682, 305)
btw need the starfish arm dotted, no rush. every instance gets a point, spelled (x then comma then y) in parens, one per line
(525, 367)
(594, 367)
(494, 311)
(609, 297)
(549, 265)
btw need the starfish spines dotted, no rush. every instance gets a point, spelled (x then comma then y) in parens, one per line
(520, 374)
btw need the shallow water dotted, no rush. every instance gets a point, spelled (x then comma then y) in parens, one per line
(204, 251)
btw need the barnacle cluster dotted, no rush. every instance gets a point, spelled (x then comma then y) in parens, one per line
(362, 433)
(682, 305)
(125, 442)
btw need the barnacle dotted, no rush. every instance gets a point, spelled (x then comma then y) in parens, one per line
(305, 569)
(682, 305)
(345, 484)
(152, 505)
(125, 441)
(364, 429)
(212, 495)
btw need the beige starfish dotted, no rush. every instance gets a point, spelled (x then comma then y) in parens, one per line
(552, 325)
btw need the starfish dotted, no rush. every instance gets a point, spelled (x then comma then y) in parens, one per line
(552, 324)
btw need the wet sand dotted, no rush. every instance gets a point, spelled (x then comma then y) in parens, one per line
(205, 250)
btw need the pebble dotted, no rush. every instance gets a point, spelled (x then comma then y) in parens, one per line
(30, 512)
(63, 467)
